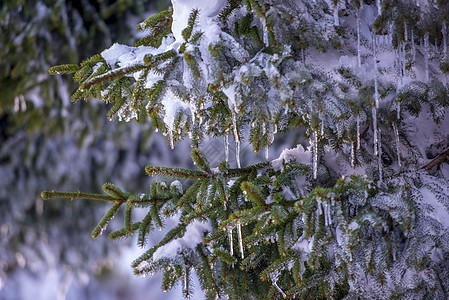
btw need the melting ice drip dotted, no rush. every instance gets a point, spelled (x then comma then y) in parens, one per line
(379, 157)
(376, 95)
(352, 154)
(396, 134)
(239, 234)
(358, 132)
(226, 145)
(315, 154)
(240, 239)
(237, 139)
(231, 244)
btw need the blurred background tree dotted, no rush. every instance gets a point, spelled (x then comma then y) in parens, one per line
(45, 143)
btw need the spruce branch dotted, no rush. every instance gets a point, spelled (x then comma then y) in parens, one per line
(156, 20)
(63, 69)
(115, 191)
(245, 170)
(223, 255)
(144, 230)
(105, 220)
(200, 160)
(214, 236)
(187, 32)
(252, 192)
(128, 215)
(171, 235)
(156, 217)
(190, 194)
(207, 271)
(108, 76)
(174, 172)
(74, 195)
(117, 106)
(160, 25)
(203, 213)
(124, 232)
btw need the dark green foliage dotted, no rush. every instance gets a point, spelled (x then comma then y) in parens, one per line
(105, 220)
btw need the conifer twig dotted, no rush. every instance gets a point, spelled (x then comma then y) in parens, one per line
(73, 195)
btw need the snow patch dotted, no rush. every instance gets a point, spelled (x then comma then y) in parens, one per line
(172, 105)
(297, 154)
(193, 236)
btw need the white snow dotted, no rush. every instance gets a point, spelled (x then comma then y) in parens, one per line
(115, 54)
(207, 11)
(172, 106)
(304, 244)
(193, 236)
(177, 185)
(297, 154)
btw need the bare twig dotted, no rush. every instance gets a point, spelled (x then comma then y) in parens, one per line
(442, 157)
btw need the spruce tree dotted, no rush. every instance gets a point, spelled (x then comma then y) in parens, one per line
(358, 209)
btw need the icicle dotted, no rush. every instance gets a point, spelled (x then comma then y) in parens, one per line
(396, 134)
(201, 113)
(379, 7)
(328, 214)
(379, 157)
(237, 139)
(318, 208)
(275, 128)
(266, 41)
(226, 145)
(444, 31)
(413, 46)
(358, 132)
(170, 135)
(326, 219)
(359, 55)
(186, 282)
(376, 71)
(374, 111)
(234, 125)
(237, 153)
(336, 20)
(315, 155)
(231, 244)
(376, 94)
(426, 55)
(398, 110)
(266, 152)
(325, 212)
(352, 154)
(16, 104)
(403, 63)
(239, 234)
(192, 113)
(322, 125)
(279, 289)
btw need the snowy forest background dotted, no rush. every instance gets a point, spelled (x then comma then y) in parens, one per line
(365, 99)
(46, 143)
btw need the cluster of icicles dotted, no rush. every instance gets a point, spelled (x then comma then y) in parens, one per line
(355, 145)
